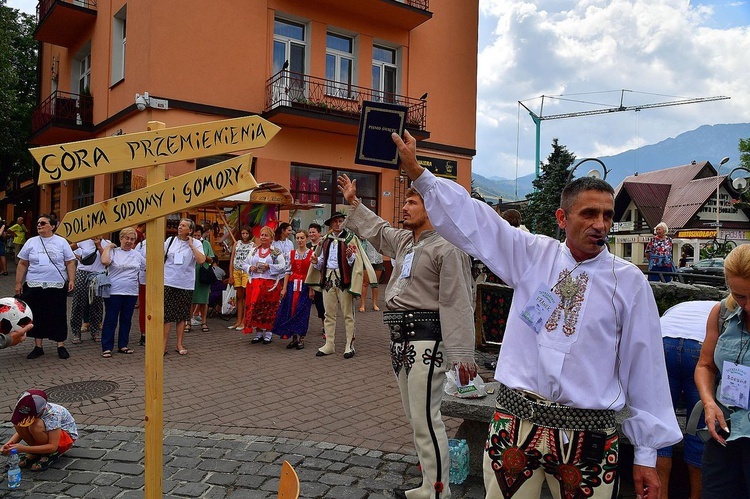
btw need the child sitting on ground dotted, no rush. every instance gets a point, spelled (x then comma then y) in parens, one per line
(47, 429)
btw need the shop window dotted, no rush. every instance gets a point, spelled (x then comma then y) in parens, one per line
(312, 185)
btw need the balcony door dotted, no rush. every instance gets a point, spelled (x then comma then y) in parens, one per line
(289, 46)
(384, 72)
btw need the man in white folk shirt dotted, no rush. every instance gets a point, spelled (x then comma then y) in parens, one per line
(582, 341)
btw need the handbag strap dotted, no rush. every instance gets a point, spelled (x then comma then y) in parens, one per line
(41, 240)
(171, 240)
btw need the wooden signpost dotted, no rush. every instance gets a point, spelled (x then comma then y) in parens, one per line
(153, 148)
(125, 152)
(171, 196)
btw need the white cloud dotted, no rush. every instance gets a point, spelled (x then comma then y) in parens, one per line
(668, 48)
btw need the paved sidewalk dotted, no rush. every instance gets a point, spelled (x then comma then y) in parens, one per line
(232, 412)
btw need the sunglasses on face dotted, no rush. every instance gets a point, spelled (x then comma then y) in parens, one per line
(41, 223)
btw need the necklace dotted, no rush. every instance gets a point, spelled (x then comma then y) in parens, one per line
(264, 252)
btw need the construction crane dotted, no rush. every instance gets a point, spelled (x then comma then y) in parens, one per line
(538, 118)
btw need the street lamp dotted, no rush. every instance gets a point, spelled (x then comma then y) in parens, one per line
(723, 161)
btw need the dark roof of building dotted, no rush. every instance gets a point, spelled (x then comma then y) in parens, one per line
(672, 195)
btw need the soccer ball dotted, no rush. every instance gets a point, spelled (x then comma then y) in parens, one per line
(14, 314)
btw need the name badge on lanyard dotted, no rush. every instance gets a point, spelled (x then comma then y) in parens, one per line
(178, 258)
(735, 385)
(406, 266)
(539, 308)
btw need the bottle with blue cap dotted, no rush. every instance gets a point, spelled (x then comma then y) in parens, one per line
(14, 470)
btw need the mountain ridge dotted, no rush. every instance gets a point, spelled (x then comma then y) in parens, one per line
(705, 143)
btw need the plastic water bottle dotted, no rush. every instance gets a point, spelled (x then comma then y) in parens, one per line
(459, 453)
(14, 471)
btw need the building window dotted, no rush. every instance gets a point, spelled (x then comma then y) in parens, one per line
(121, 183)
(83, 192)
(339, 65)
(289, 46)
(84, 77)
(312, 185)
(119, 30)
(384, 71)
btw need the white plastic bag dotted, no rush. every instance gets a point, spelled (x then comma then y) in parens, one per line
(475, 388)
(228, 300)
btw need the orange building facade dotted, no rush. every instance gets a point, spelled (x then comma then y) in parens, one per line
(305, 66)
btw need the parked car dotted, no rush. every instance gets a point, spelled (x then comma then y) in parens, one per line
(709, 266)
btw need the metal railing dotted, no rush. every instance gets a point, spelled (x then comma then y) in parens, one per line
(44, 6)
(63, 108)
(418, 4)
(335, 98)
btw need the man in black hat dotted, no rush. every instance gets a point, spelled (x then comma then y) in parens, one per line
(337, 268)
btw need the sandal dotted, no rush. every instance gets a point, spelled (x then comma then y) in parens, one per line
(187, 328)
(27, 460)
(45, 462)
(125, 350)
(181, 351)
(204, 328)
(107, 354)
(76, 339)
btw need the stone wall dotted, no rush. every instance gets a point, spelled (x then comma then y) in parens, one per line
(668, 294)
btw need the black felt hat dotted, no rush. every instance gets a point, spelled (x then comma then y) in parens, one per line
(337, 214)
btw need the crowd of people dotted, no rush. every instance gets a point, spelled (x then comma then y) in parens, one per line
(583, 339)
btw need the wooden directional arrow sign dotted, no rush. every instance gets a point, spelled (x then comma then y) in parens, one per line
(171, 196)
(124, 152)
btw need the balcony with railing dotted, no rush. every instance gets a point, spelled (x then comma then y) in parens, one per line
(64, 22)
(402, 14)
(62, 117)
(308, 97)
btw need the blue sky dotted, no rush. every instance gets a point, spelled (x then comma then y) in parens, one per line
(588, 50)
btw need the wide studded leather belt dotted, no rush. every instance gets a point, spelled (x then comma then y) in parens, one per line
(413, 325)
(542, 412)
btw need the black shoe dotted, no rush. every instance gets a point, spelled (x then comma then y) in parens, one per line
(142, 341)
(349, 355)
(292, 345)
(36, 352)
(266, 342)
(256, 340)
(320, 354)
(400, 492)
(62, 352)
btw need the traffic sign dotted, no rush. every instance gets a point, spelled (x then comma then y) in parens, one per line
(170, 196)
(124, 152)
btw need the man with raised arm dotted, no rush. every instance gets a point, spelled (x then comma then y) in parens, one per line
(430, 315)
(582, 341)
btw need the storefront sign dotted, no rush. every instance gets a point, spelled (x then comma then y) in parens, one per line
(446, 168)
(696, 234)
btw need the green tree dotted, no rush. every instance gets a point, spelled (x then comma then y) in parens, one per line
(744, 149)
(18, 90)
(540, 212)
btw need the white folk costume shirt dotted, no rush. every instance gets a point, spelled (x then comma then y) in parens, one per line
(439, 278)
(85, 248)
(333, 256)
(46, 267)
(285, 247)
(603, 350)
(124, 270)
(271, 257)
(179, 268)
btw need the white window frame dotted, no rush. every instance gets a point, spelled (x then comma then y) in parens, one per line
(378, 92)
(290, 89)
(339, 85)
(119, 39)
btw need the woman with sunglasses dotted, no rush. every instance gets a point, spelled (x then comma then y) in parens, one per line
(44, 277)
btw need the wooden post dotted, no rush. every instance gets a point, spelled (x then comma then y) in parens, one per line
(154, 371)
